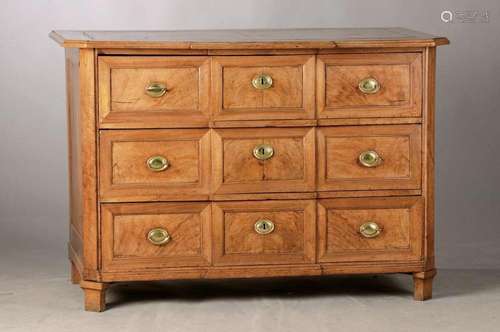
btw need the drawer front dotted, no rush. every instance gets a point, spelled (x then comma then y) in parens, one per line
(263, 160)
(263, 87)
(153, 92)
(369, 157)
(154, 235)
(369, 85)
(370, 229)
(264, 232)
(142, 165)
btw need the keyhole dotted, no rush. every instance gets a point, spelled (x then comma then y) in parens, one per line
(262, 81)
(262, 151)
(263, 226)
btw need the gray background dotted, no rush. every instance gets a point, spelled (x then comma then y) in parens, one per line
(33, 168)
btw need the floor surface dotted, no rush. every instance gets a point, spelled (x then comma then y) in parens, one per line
(36, 295)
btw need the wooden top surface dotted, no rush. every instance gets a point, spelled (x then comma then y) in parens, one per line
(249, 39)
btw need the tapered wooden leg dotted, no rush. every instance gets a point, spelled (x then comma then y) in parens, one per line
(95, 295)
(75, 274)
(422, 288)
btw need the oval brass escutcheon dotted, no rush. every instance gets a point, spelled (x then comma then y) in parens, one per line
(158, 236)
(369, 85)
(370, 229)
(263, 152)
(157, 163)
(370, 158)
(156, 90)
(262, 81)
(264, 226)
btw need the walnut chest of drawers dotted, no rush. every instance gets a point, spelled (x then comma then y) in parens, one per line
(250, 153)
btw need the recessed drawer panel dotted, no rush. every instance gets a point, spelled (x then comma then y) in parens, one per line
(263, 160)
(142, 165)
(154, 235)
(264, 232)
(369, 157)
(369, 85)
(263, 87)
(153, 92)
(370, 229)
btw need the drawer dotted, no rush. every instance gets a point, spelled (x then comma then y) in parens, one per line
(264, 232)
(369, 157)
(369, 85)
(263, 160)
(154, 235)
(143, 165)
(263, 87)
(370, 229)
(153, 92)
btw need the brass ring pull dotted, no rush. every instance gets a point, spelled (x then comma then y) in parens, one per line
(263, 152)
(370, 158)
(156, 90)
(158, 236)
(264, 226)
(157, 163)
(370, 229)
(262, 81)
(369, 85)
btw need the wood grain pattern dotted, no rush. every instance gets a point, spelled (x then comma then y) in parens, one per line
(123, 102)
(291, 95)
(422, 289)
(367, 121)
(264, 271)
(88, 131)
(125, 175)
(401, 220)
(316, 38)
(75, 247)
(217, 272)
(399, 146)
(369, 193)
(153, 51)
(399, 75)
(125, 246)
(215, 190)
(263, 123)
(428, 142)
(80, 65)
(235, 170)
(263, 196)
(95, 295)
(237, 243)
(244, 52)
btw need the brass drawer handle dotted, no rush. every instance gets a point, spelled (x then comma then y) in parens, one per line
(158, 236)
(370, 229)
(156, 90)
(264, 226)
(157, 163)
(263, 152)
(369, 85)
(370, 158)
(262, 81)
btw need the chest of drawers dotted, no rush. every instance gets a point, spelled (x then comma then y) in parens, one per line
(250, 153)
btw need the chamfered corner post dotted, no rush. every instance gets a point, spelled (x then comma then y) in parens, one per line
(75, 274)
